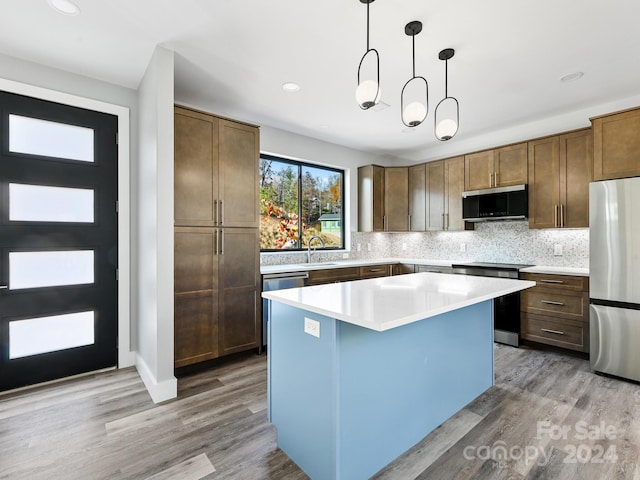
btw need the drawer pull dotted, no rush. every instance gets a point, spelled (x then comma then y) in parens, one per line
(544, 280)
(548, 330)
(549, 302)
(372, 270)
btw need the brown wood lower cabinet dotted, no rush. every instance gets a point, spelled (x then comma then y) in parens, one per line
(217, 288)
(556, 311)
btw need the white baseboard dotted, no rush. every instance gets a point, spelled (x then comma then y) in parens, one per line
(159, 391)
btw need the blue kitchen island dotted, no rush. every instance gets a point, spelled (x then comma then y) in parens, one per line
(359, 372)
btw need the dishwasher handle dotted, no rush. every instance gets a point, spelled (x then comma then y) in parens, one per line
(271, 276)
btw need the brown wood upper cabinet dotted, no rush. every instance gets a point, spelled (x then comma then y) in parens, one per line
(616, 143)
(371, 198)
(418, 198)
(383, 199)
(435, 195)
(396, 199)
(215, 171)
(559, 176)
(500, 167)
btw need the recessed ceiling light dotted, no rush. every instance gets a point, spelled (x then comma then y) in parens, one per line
(290, 87)
(571, 77)
(66, 7)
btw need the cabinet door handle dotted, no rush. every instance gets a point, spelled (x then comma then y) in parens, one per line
(443, 226)
(409, 220)
(215, 212)
(544, 280)
(215, 246)
(221, 242)
(548, 330)
(384, 223)
(555, 216)
(562, 215)
(373, 270)
(447, 220)
(4, 287)
(549, 302)
(495, 179)
(221, 213)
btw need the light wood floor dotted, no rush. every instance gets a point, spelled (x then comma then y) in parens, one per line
(106, 427)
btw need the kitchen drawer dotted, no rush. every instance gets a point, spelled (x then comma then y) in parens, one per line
(570, 334)
(564, 282)
(564, 304)
(374, 271)
(433, 268)
(403, 268)
(331, 275)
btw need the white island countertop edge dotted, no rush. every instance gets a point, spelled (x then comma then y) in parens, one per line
(389, 302)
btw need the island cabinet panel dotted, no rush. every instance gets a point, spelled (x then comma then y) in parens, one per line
(556, 311)
(500, 167)
(361, 409)
(616, 143)
(396, 199)
(559, 176)
(418, 198)
(217, 277)
(371, 198)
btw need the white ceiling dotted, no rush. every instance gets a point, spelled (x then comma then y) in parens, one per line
(234, 55)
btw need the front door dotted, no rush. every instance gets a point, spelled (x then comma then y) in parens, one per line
(58, 240)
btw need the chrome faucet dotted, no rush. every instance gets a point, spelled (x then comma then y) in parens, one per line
(311, 239)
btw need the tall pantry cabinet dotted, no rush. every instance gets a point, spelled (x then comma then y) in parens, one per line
(217, 264)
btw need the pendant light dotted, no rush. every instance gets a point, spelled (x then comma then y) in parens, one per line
(447, 115)
(368, 91)
(414, 112)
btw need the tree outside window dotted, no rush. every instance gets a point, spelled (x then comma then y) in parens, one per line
(297, 201)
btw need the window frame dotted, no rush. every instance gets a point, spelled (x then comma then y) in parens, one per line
(300, 164)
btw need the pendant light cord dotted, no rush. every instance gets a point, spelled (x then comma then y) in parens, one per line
(367, 27)
(446, 78)
(413, 37)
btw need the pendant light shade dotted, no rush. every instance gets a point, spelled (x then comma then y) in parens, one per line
(447, 115)
(368, 92)
(414, 99)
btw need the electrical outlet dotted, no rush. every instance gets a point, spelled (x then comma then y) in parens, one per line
(345, 256)
(463, 247)
(312, 327)
(557, 250)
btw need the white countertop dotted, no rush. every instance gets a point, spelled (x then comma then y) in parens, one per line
(389, 302)
(580, 272)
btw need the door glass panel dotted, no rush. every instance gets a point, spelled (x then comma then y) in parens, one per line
(36, 203)
(49, 334)
(50, 139)
(50, 269)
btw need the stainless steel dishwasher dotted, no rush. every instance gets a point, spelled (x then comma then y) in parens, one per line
(278, 281)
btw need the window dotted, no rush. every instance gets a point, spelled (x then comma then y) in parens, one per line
(297, 201)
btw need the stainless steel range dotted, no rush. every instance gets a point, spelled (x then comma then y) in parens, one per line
(506, 309)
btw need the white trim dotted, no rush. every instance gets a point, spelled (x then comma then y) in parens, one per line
(159, 392)
(126, 357)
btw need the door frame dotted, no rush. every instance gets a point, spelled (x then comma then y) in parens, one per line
(126, 356)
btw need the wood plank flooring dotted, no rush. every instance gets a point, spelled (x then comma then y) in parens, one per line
(547, 417)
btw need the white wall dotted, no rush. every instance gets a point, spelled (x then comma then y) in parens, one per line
(31, 79)
(155, 228)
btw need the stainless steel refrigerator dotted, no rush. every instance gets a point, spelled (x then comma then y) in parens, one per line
(614, 277)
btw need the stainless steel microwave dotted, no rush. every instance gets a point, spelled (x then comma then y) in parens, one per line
(503, 203)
